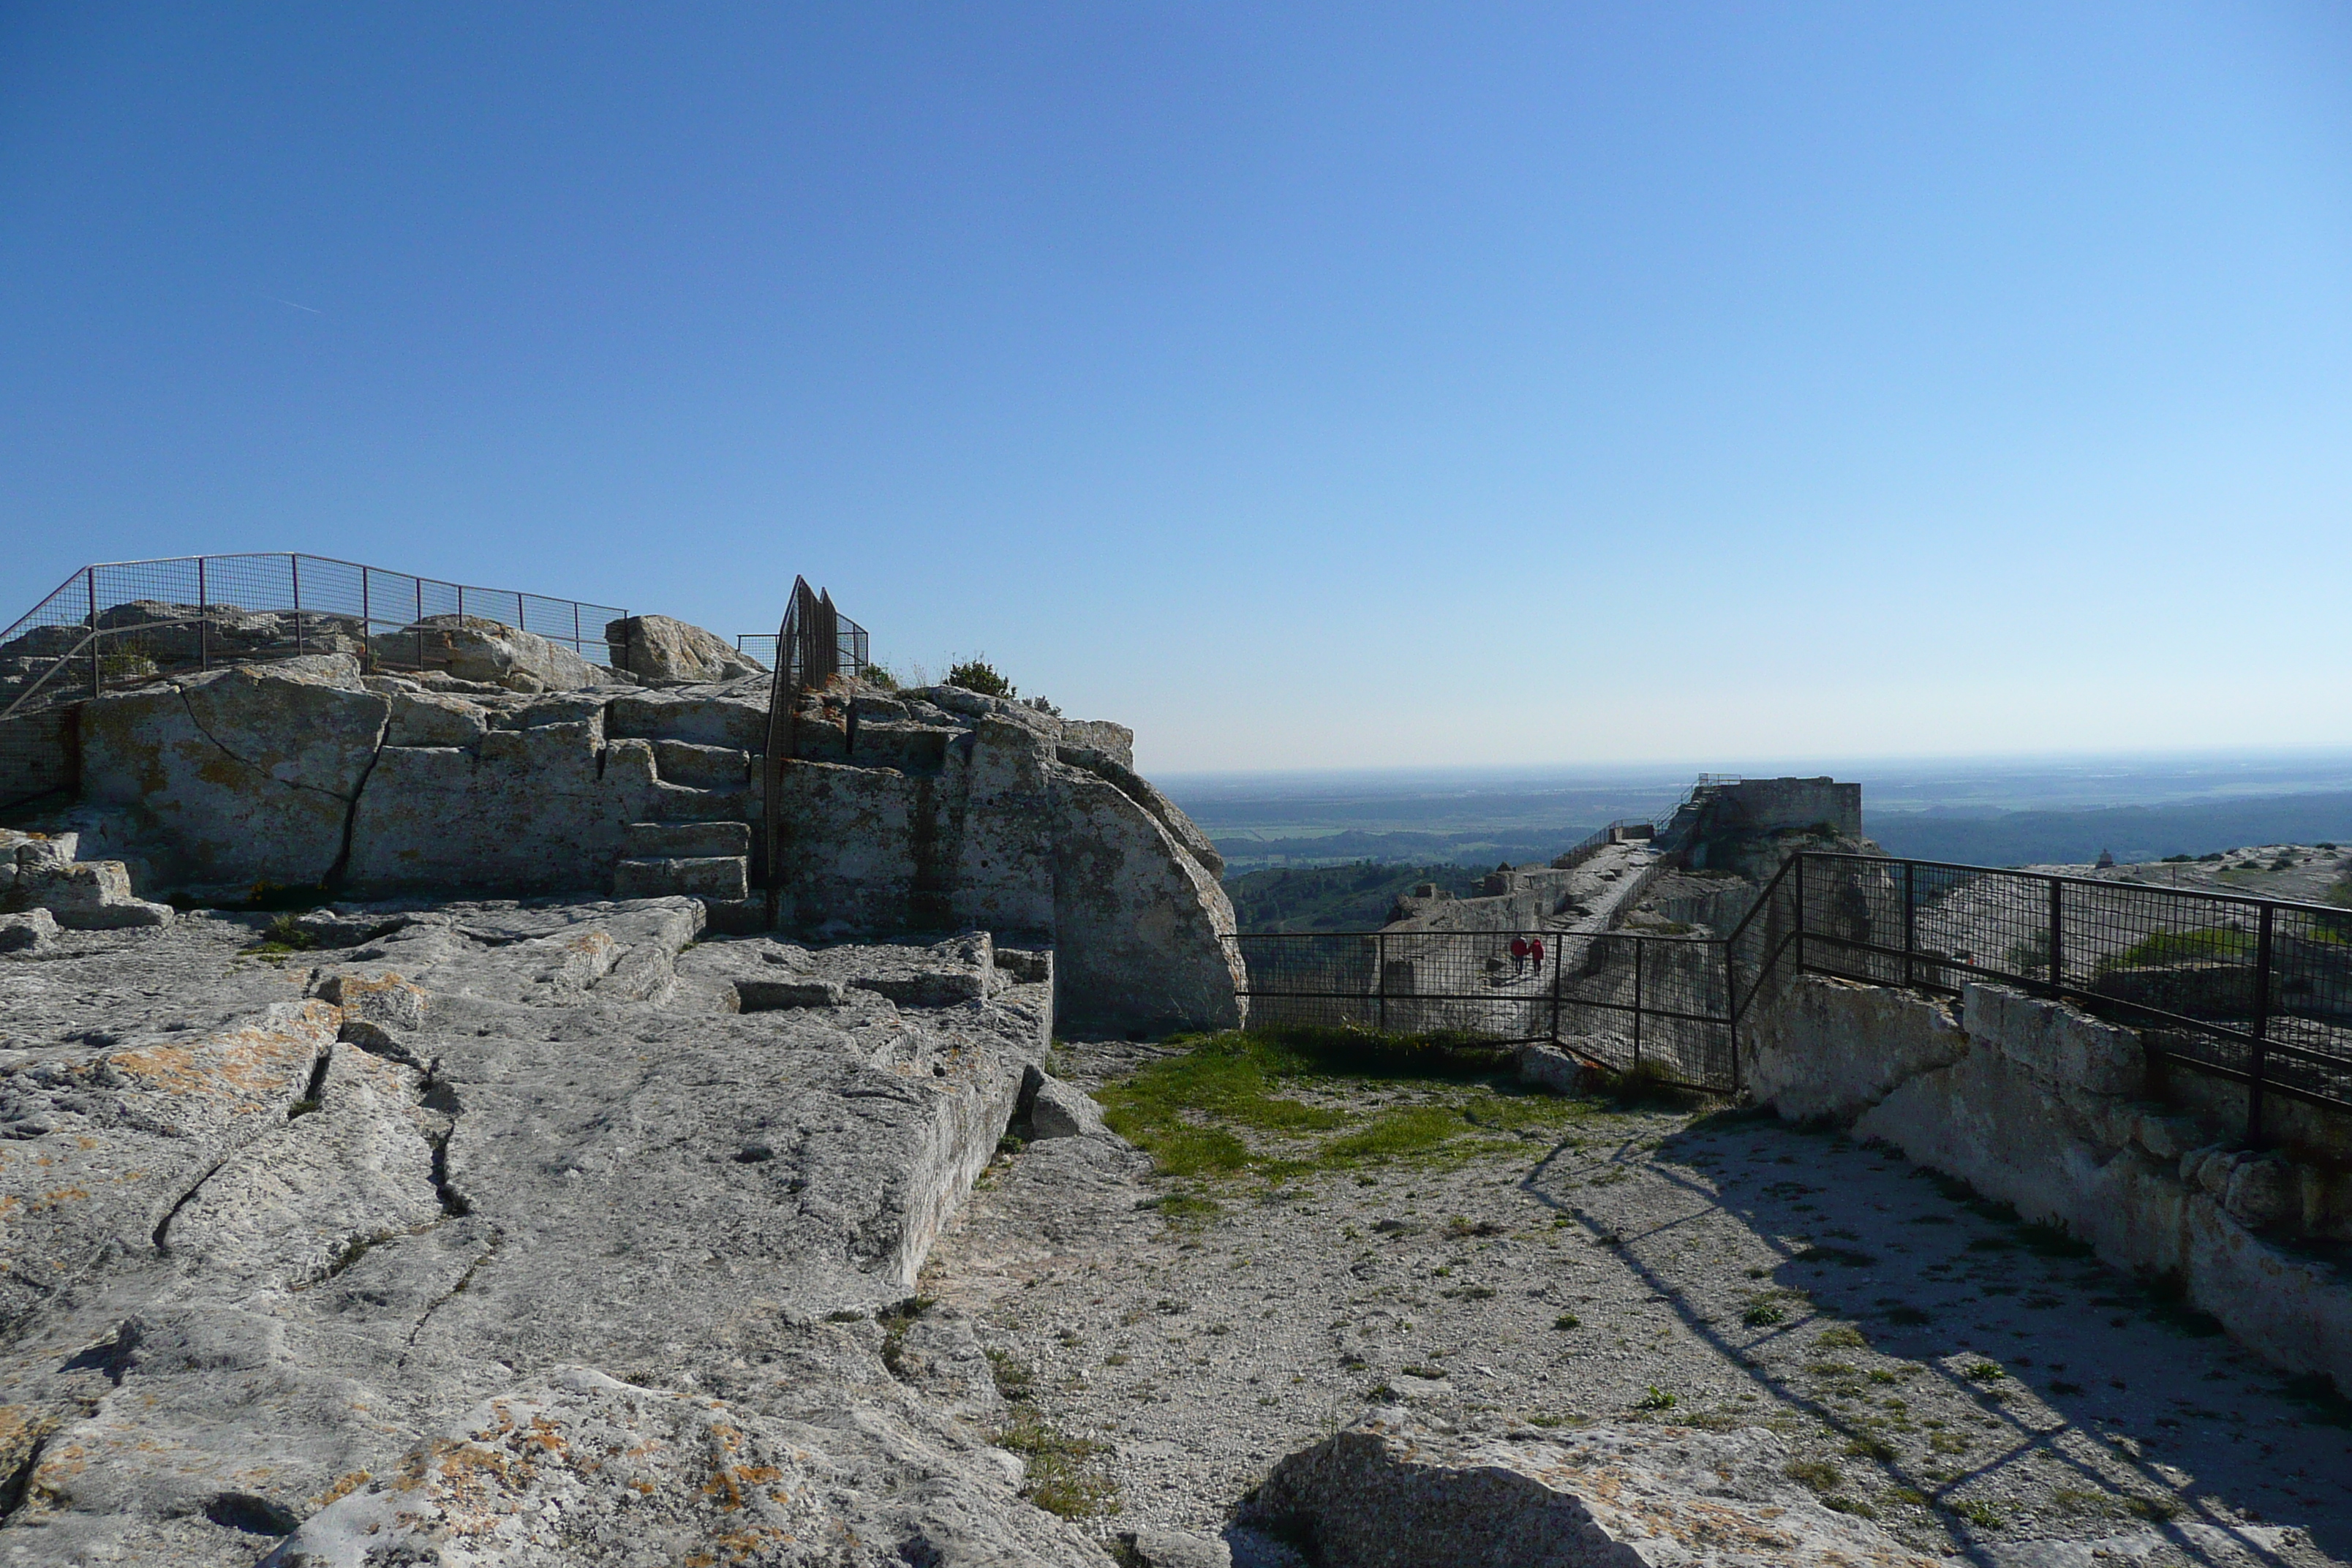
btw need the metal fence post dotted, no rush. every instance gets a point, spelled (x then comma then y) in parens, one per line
(203, 619)
(1731, 1015)
(419, 622)
(1910, 902)
(2259, 1060)
(2057, 937)
(89, 581)
(1558, 962)
(1638, 945)
(1800, 913)
(367, 646)
(294, 565)
(1381, 981)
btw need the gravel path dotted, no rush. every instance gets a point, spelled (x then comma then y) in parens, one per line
(1979, 1387)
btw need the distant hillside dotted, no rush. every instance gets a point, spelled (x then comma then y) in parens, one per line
(1334, 898)
(2129, 832)
(1481, 848)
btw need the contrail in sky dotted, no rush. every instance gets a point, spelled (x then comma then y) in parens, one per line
(312, 309)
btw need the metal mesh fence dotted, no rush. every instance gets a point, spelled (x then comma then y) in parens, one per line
(121, 622)
(2251, 989)
(853, 646)
(1659, 1004)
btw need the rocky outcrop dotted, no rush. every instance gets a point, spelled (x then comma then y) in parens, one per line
(939, 807)
(657, 648)
(493, 1232)
(473, 647)
(44, 885)
(1393, 1491)
(928, 810)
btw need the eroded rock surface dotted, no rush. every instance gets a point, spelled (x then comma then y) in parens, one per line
(496, 1233)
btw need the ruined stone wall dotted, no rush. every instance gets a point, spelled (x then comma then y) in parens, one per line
(927, 811)
(2040, 1105)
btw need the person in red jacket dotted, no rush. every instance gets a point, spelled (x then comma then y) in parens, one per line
(1535, 953)
(1519, 955)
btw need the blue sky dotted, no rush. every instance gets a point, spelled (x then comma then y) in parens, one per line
(1349, 386)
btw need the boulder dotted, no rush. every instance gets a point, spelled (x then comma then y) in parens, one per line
(32, 931)
(472, 647)
(1058, 1109)
(657, 648)
(1395, 1491)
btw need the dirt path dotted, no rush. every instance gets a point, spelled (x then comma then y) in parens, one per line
(1979, 1387)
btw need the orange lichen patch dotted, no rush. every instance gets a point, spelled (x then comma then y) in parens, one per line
(21, 1427)
(341, 1490)
(255, 1063)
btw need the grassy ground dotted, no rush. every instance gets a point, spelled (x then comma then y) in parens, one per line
(1271, 1106)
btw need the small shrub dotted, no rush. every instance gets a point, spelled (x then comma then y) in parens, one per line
(1838, 1503)
(1869, 1448)
(1983, 1371)
(1568, 1321)
(1980, 1514)
(1764, 1315)
(976, 674)
(1817, 1475)
(1841, 1338)
(1656, 1399)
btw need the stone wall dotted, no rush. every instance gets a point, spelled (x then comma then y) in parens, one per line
(2040, 1105)
(924, 811)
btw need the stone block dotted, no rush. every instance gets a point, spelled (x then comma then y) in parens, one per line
(703, 875)
(774, 996)
(93, 895)
(702, 767)
(1547, 1067)
(2057, 1042)
(435, 719)
(690, 840)
(1058, 1109)
(2264, 1191)
(32, 931)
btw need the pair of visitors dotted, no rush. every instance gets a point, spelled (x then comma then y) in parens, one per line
(1526, 950)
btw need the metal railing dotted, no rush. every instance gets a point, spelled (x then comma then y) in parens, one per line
(2255, 990)
(120, 622)
(1656, 1004)
(850, 640)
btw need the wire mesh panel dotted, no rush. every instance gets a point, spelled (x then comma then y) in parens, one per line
(1314, 978)
(2251, 989)
(120, 622)
(1662, 1004)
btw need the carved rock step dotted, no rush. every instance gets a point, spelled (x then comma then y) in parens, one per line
(696, 876)
(690, 840)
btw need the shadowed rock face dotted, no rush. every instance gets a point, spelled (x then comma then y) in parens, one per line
(502, 1236)
(919, 811)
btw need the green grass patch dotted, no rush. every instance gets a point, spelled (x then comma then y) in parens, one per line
(2182, 947)
(1231, 1103)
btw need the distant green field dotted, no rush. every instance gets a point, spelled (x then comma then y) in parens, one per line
(1333, 897)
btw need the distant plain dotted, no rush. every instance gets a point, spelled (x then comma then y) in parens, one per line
(1998, 812)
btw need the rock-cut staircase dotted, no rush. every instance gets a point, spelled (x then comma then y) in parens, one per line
(701, 847)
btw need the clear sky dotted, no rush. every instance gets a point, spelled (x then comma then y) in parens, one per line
(1305, 386)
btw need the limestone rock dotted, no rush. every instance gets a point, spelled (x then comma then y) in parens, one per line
(565, 1264)
(29, 932)
(2056, 1040)
(473, 647)
(1158, 1547)
(249, 773)
(655, 648)
(1393, 1492)
(1058, 1109)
